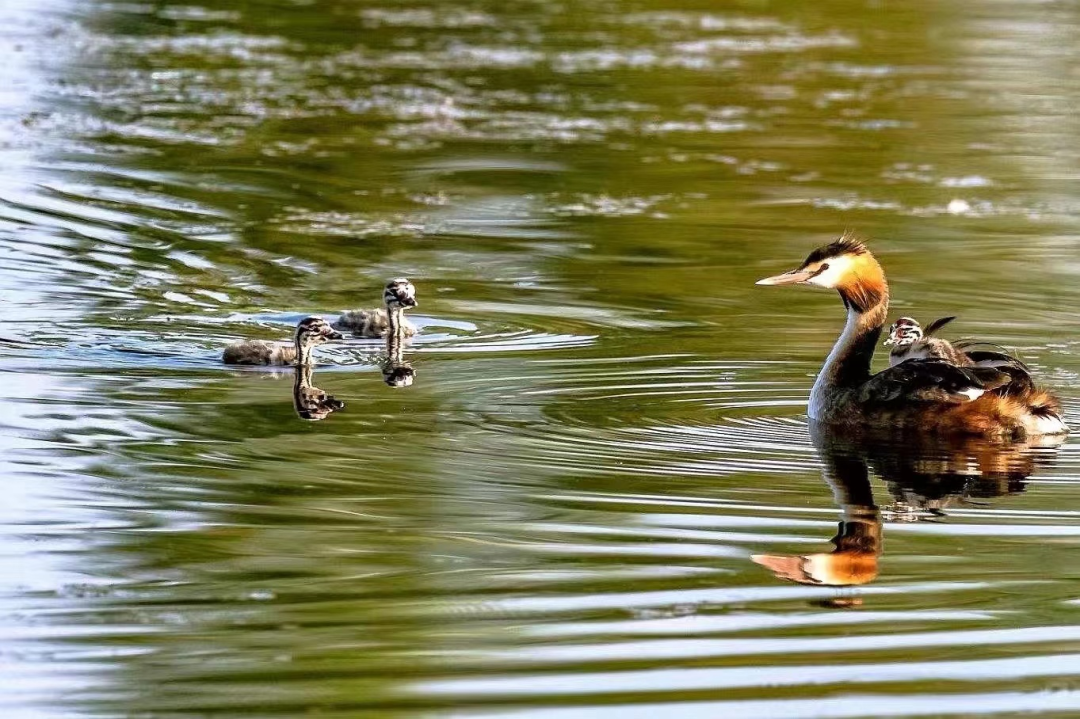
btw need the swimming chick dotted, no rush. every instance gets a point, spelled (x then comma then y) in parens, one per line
(310, 331)
(932, 395)
(398, 296)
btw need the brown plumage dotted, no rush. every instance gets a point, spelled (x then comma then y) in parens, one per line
(370, 324)
(931, 395)
(259, 352)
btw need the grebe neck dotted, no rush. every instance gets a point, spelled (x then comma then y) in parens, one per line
(395, 322)
(848, 364)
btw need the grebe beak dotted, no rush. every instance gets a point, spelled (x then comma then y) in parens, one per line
(793, 277)
(889, 341)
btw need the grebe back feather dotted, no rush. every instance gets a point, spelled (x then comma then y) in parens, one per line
(906, 337)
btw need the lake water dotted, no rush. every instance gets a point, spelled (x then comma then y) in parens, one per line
(600, 496)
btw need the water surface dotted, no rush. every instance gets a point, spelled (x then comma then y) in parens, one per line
(600, 495)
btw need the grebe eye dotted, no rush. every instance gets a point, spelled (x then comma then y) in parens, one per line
(824, 266)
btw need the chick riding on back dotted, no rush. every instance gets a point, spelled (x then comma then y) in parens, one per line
(910, 342)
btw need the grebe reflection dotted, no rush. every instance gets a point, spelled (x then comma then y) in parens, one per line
(923, 479)
(857, 544)
(310, 402)
(396, 371)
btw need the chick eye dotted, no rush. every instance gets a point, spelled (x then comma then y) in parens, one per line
(824, 266)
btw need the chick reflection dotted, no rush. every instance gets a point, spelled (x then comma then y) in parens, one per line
(923, 477)
(396, 371)
(310, 402)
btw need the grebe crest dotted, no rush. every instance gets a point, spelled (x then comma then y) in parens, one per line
(844, 265)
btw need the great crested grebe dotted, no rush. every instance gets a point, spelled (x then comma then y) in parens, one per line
(926, 395)
(398, 296)
(310, 331)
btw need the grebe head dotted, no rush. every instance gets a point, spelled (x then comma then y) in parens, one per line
(905, 331)
(399, 294)
(845, 266)
(312, 331)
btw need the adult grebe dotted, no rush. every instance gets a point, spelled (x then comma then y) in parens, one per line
(310, 331)
(925, 395)
(398, 296)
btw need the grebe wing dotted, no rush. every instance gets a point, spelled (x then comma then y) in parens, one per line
(1019, 373)
(929, 380)
(987, 351)
(991, 358)
(937, 324)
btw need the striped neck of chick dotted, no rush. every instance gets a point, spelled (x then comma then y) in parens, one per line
(398, 295)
